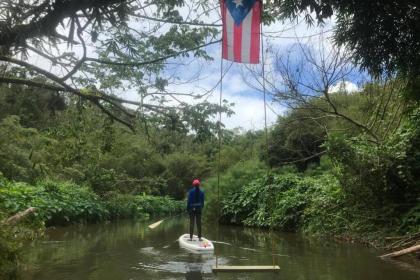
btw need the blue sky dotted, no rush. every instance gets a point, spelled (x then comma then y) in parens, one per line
(198, 75)
(249, 106)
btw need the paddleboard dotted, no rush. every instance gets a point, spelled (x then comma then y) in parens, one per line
(194, 244)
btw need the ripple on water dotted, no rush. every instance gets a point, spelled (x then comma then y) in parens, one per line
(182, 262)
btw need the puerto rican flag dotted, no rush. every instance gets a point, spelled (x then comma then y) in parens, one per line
(241, 30)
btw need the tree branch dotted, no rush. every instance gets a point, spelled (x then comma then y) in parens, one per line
(4, 80)
(137, 64)
(46, 25)
(176, 22)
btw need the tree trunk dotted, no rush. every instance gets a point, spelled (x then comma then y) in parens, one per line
(395, 254)
(19, 216)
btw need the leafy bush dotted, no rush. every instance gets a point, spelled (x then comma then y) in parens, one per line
(22, 154)
(141, 206)
(62, 203)
(274, 200)
(411, 221)
(316, 206)
(381, 174)
(232, 182)
(181, 168)
(57, 203)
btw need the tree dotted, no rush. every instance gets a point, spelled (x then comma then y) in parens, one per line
(23, 152)
(129, 44)
(297, 139)
(34, 106)
(384, 36)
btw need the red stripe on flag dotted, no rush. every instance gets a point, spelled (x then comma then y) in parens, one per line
(224, 35)
(255, 31)
(237, 42)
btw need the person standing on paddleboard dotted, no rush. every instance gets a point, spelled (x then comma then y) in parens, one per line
(195, 205)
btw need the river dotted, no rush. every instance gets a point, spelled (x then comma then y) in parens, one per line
(128, 250)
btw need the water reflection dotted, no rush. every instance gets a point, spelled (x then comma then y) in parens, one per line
(129, 250)
(194, 275)
(194, 270)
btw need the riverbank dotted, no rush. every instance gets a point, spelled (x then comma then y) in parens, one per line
(315, 205)
(62, 203)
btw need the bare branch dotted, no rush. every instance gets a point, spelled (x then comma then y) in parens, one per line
(176, 22)
(138, 64)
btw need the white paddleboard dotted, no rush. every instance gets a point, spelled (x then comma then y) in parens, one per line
(195, 244)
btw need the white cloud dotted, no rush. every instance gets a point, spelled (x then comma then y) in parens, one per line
(249, 106)
(344, 86)
(249, 113)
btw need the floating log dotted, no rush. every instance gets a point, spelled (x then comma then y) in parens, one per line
(411, 249)
(19, 216)
(246, 268)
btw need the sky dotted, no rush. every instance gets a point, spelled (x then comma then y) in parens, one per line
(204, 76)
(280, 37)
(249, 103)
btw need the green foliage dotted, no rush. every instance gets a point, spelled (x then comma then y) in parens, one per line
(231, 182)
(63, 203)
(313, 205)
(141, 206)
(237, 176)
(22, 150)
(34, 106)
(379, 174)
(57, 203)
(297, 139)
(393, 47)
(276, 200)
(180, 169)
(410, 222)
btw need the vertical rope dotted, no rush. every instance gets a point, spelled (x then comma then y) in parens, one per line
(264, 92)
(266, 132)
(219, 152)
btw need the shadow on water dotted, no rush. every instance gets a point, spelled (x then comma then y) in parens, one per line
(129, 250)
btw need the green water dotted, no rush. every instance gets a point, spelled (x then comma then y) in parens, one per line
(129, 250)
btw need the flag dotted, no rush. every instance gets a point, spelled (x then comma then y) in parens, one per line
(241, 30)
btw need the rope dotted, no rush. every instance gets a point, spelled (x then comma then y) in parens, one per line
(220, 142)
(265, 101)
(266, 134)
(219, 152)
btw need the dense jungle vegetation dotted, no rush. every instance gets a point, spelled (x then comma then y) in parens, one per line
(324, 176)
(344, 165)
(329, 178)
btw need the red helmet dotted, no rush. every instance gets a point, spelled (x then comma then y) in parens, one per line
(196, 182)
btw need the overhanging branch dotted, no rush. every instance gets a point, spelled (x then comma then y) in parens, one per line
(138, 64)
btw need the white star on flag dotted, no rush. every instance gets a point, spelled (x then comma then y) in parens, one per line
(238, 3)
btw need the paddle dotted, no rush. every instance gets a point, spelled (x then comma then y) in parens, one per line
(154, 225)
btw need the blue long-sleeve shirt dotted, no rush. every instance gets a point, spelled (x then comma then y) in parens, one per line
(195, 200)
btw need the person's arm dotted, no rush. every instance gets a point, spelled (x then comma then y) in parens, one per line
(202, 200)
(188, 201)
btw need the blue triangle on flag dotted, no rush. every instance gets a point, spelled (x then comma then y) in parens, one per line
(239, 9)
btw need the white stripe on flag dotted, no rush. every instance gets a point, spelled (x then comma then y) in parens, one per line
(229, 34)
(246, 38)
